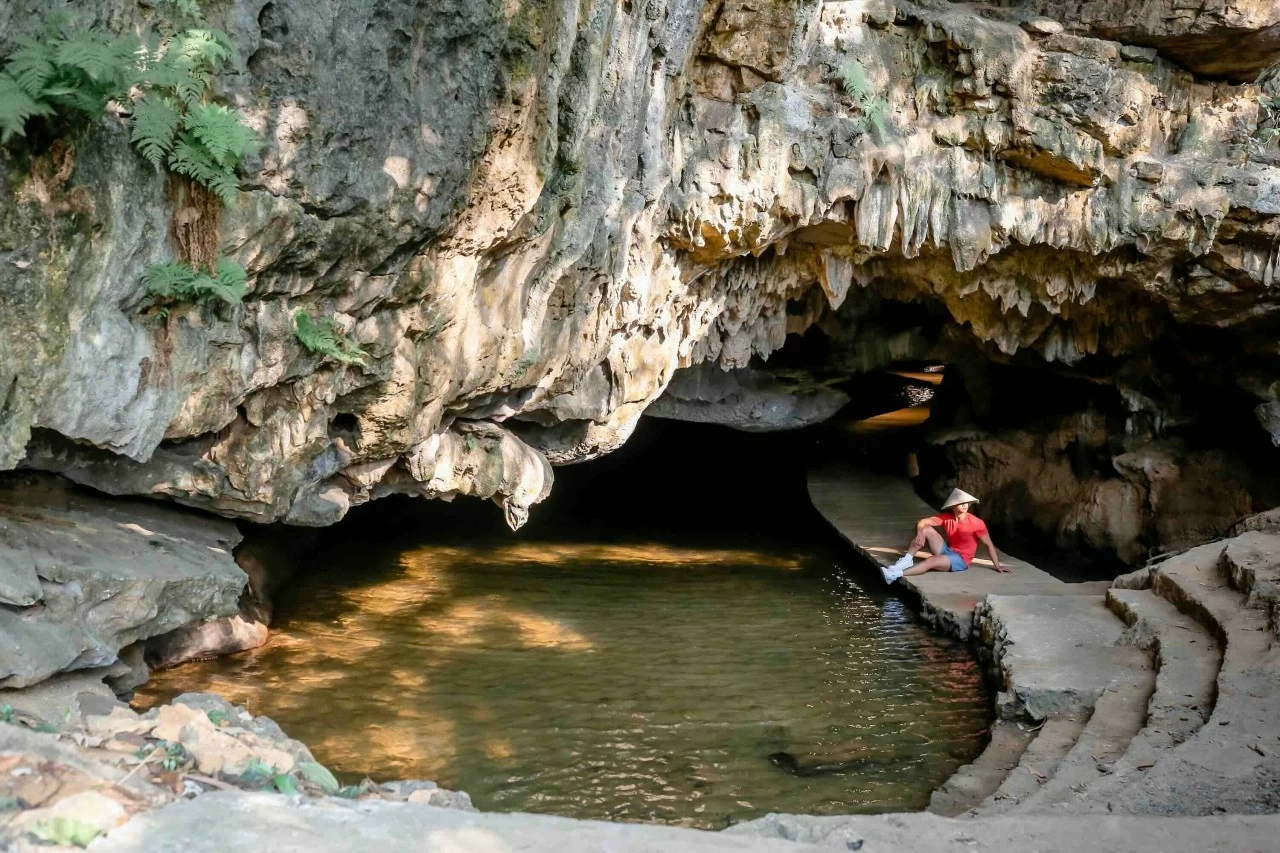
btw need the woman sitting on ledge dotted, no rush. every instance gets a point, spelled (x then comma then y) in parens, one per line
(963, 532)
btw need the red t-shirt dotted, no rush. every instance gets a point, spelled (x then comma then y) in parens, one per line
(962, 536)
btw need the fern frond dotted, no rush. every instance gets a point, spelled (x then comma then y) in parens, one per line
(219, 130)
(168, 281)
(102, 57)
(228, 49)
(176, 282)
(16, 106)
(191, 159)
(225, 186)
(192, 85)
(229, 281)
(326, 338)
(155, 121)
(315, 337)
(349, 353)
(210, 48)
(81, 97)
(31, 66)
(190, 8)
(166, 68)
(874, 111)
(854, 79)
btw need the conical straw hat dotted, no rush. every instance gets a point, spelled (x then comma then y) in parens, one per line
(959, 496)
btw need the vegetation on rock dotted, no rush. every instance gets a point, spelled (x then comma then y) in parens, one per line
(164, 83)
(174, 122)
(64, 72)
(177, 282)
(853, 78)
(1268, 133)
(70, 72)
(325, 337)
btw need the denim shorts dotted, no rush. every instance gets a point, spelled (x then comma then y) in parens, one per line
(957, 562)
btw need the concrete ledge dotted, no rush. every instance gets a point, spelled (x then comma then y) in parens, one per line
(876, 515)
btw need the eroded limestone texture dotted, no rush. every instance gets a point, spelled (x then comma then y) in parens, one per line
(533, 213)
(81, 578)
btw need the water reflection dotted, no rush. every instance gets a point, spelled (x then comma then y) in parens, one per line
(621, 681)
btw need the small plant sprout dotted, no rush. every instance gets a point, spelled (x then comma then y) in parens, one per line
(174, 756)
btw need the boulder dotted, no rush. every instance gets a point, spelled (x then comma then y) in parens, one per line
(109, 573)
(748, 399)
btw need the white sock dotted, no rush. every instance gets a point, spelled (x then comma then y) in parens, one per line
(903, 562)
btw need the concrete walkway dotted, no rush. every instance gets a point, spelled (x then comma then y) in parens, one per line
(877, 513)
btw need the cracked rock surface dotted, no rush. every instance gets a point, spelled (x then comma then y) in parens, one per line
(82, 577)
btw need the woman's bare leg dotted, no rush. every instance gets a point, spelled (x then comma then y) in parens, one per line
(936, 563)
(930, 536)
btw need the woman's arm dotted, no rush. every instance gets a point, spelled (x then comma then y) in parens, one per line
(995, 557)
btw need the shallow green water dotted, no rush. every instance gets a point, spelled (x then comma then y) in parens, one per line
(628, 682)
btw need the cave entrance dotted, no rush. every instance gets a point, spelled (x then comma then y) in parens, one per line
(670, 638)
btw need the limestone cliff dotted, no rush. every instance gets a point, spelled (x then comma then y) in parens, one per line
(533, 213)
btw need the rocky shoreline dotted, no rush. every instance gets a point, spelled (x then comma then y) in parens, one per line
(87, 764)
(1153, 697)
(201, 775)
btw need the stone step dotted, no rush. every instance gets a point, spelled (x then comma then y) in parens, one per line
(978, 780)
(1189, 660)
(1194, 583)
(1117, 717)
(1252, 564)
(1053, 654)
(1062, 658)
(1039, 761)
(1232, 761)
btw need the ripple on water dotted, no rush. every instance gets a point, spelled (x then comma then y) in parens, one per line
(628, 682)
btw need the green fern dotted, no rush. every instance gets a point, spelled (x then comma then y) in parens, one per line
(155, 121)
(202, 47)
(219, 131)
(165, 281)
(325, 337)
(190, 8)
(177, 283)
(16, 107)
(853, 78)
(190, 158)
(229, 281)
(31, 66)
(176, 124)
(64, 72)
(104, 58)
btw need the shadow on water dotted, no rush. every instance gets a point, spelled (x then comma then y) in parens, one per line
(674, 637)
